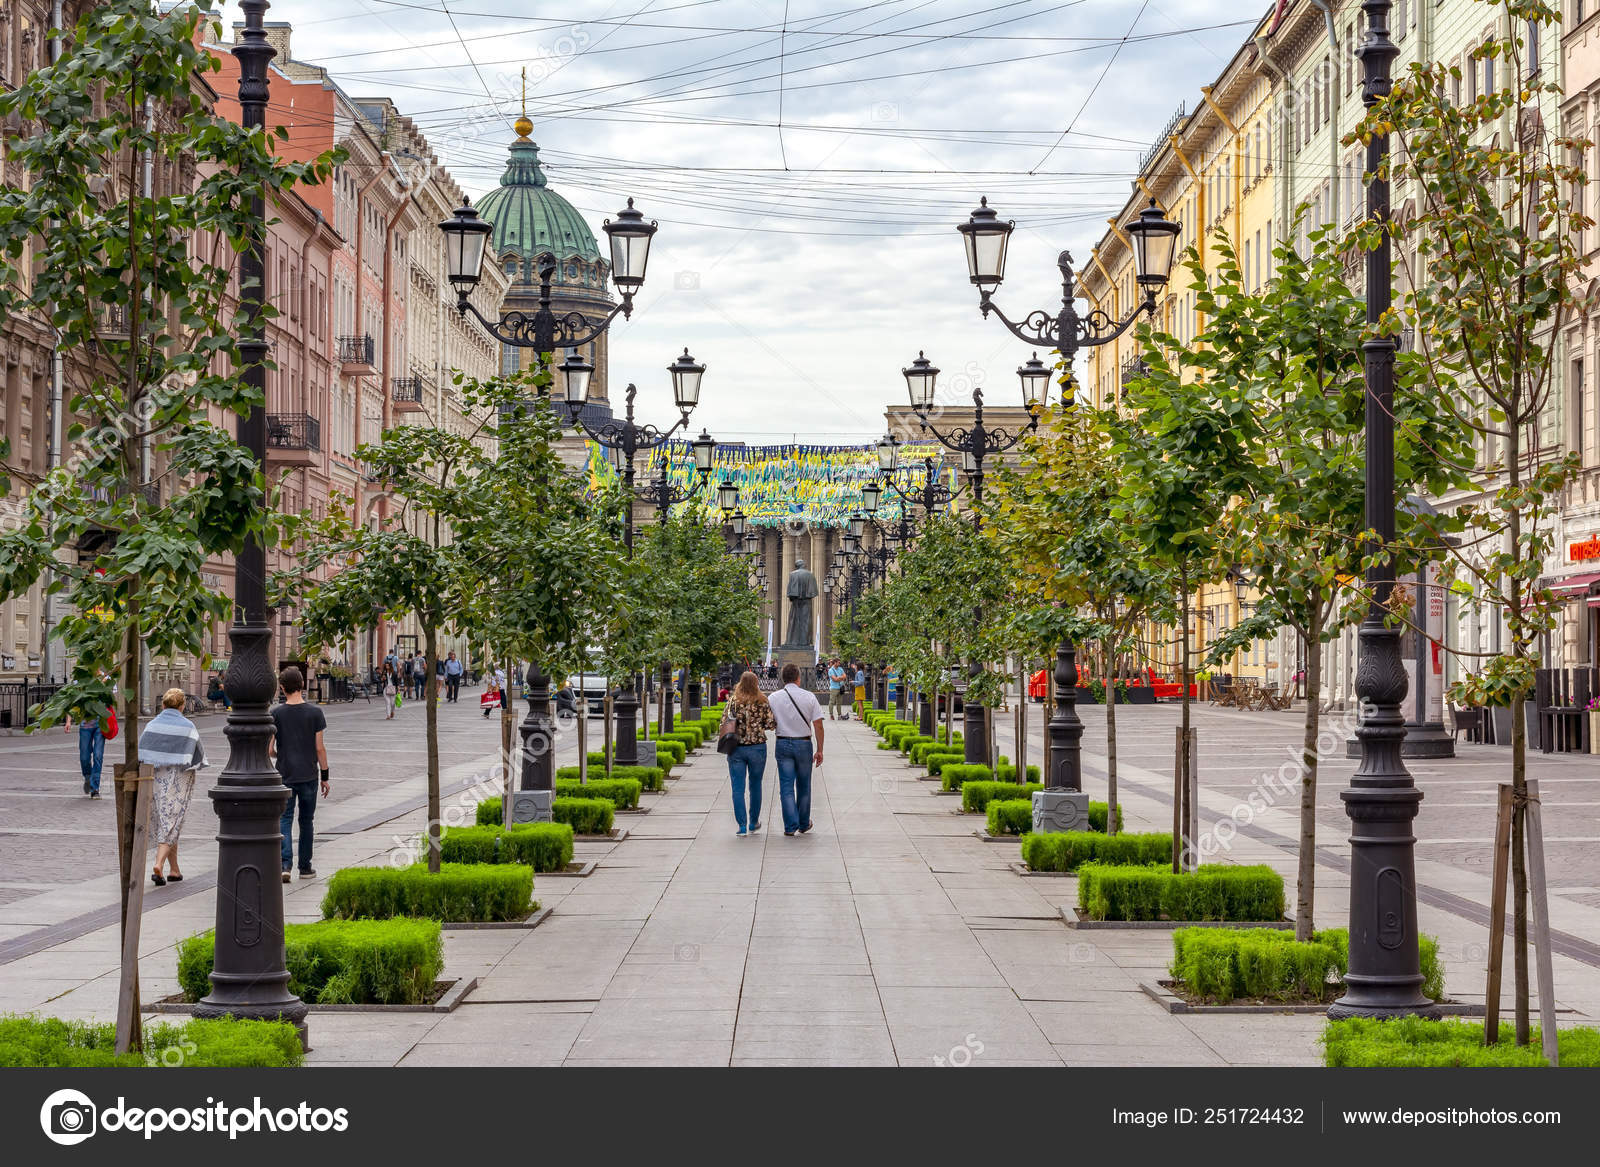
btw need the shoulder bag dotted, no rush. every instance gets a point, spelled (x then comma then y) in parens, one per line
(727, 733)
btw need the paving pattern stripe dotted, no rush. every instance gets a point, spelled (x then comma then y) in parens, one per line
(109, 914)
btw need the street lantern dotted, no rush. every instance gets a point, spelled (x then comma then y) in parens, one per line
(851, 542)
(465, 237)
(827, 586)
(888, 454)
(871, 495)
(969, 462)
(1035, 378)
(738, 521)
(686, 374)
(728, 496)
(752, 541)
(1241, 584)
(1155, 243)
(575, 374)
(630, 247)
(705, 449)
(858, 526)
(985, 236)
(920, 380)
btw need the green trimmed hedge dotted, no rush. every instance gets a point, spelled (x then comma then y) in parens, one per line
(953, 774)
(648, 777)
(1364, 1043)
(1214, 891)
(340, 962)
(895, 734)
(546, 847)
(460, 892)
(622, 792)
(936, 762)
(671, 749)
(1008, 772)
(586, 816)
(201, 1043)
(689, 735)
(1221, 964)
(1069, 850)
(1010, 816)
(976, 796)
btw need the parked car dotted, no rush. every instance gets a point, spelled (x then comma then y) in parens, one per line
(590, 687)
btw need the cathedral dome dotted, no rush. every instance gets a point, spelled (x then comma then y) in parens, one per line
(530, 219)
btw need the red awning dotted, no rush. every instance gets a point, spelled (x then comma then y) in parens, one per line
(1575, 584)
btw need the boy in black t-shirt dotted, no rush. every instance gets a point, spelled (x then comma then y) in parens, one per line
(301, 757)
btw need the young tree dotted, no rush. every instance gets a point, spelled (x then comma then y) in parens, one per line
(1289, 358)
(134, 282)
(1055, 526)
(1497, 275)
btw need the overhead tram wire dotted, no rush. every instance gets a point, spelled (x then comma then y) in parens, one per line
(1095, 88)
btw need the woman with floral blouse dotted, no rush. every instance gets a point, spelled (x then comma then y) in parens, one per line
(750, 717)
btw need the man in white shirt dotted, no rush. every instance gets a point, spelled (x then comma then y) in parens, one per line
(799, 716)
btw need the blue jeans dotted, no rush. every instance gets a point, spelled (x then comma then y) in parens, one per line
(794, 781)
(748, 760)
(304, 793)
(91, 753)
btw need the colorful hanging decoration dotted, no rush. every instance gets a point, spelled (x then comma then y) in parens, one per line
(816, 485)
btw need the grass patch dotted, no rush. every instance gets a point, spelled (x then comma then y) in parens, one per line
(340, 962)
(460, 892)
(1412, 1042)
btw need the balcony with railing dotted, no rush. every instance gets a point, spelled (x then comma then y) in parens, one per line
(1133, 366)
(357, 356)
(407, 393)
(293, 439)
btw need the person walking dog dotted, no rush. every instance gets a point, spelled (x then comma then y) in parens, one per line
(748, 717)
(798, 714)
(302, 759)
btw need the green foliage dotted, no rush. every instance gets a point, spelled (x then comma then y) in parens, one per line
(546, 847)
(340, 962)
(201, 1043)
(936, 762)
(137, 290)
(586, 816)
(1013, 816)
(1363, 1043)
(1008, 773)
(623, 792)
(1213, 891)
(1070, 850)
(1223, 964)
(648, 777)
(953, 774)
(457, 892)
(976, 796)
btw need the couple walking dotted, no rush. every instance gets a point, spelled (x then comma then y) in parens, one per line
(796, 716)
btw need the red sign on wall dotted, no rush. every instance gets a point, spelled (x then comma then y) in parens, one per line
(1588, 549)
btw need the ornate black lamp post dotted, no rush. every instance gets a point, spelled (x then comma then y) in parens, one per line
(1063, 805)
(249, 977)
(975, 444)
(466, 240)
(622, 441)
(1385, 977)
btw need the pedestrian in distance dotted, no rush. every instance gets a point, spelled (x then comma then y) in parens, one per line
(861, 691)
(172, 745)
(302, 759)
(835, 687)
(452, 678)
(391, 692)
(491, 697)
(748, 716)
(798, 714)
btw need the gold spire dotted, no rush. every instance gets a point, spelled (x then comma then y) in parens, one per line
(523, 125)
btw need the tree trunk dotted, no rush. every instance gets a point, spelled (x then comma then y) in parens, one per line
(130, 865)
(609, 745)
(1182, 812)
(1305, 904)
(1111, 746)
(508, 736)
(430, 695)
(1519, 760)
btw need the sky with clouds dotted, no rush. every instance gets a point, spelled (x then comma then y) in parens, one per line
(807, 161)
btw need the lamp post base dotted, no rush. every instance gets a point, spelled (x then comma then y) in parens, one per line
(1055, 811)
(1428, 740)
(531, 806)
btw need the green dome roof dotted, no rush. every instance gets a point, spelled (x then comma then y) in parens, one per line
(529, 218)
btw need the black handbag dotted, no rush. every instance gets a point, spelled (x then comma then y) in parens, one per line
(727, 739)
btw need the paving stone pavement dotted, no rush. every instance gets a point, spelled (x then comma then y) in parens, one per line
(890, 935)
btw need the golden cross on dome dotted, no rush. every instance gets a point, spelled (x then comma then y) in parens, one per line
(523, 125)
